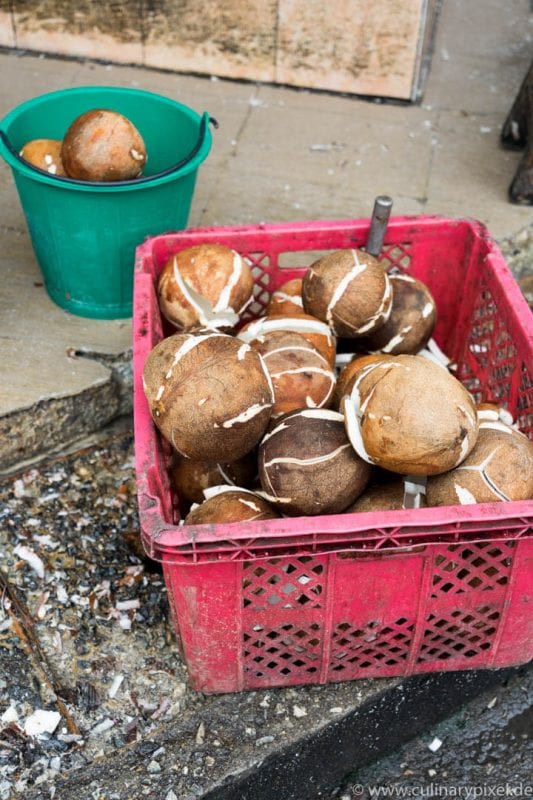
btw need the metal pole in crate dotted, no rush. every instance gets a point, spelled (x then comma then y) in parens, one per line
(378, 224)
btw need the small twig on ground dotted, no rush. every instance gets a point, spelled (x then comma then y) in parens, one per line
(24, 628)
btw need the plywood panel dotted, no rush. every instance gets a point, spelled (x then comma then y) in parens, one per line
(7, 35)
(345, 45)
(89, 28)
(349, 45)
(231, 39)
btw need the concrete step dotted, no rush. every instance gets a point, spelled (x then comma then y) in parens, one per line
(345, 727)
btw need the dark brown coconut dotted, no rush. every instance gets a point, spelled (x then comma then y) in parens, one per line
(287, 299)
(499, 468)
(209, 395)
(411, 321)
(102, 145)
(350, 291)
(307, 465)
(209, 284)
(45, 154)
(409, 415)
(386, 497)
(301, 376)
(230, 504)
(311, 328)
(189, 478)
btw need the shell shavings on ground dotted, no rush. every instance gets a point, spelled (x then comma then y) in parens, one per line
(88, 661)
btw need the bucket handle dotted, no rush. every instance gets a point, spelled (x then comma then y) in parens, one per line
(204, 122)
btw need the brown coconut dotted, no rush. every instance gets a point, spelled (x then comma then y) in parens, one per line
(411, 321)
(307, 465)
(385, 497)
(44, 154)
(348, 373)
(311, 328)
(350, 290)
(409, 415)
(499, 468)
(301, 376)
(209, 395)
(189, 478)
(230, 504)
(103, 145)
(287, 299)
(208, 284)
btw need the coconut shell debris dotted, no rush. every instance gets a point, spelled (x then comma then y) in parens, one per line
(87, 659)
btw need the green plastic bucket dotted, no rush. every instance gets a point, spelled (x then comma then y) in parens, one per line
(84, 234)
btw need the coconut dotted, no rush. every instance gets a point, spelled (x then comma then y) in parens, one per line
(348, 374)
(311, 328)
(385, 497)
(208, 284)
(411, 321)
(189, 478)
(350, 290)
(44, 154)
(103, 145)
(230, 504)
(307, 465)
(287, 299)
(210, 395)
(499, 468)
(301, 376)
(408, 415)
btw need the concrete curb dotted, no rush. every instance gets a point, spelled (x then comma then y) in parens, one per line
(308, 765)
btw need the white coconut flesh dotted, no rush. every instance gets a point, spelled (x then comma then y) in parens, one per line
(214, 317)
(341, 287)
(381, 315)
(256, 330)
(223, 303)
(244, 416)
(307, 462)
(283, 297)
(223, 488)
(495, 415)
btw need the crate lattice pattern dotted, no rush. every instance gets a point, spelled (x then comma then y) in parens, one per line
(524, 403)
(283, 583)
(460, 634)
(458, 630)
(396, 257)
(369, 647)
(491, 361)
(290, 649)
(485, 566)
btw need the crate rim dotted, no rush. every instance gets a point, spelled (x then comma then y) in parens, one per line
(418, 221)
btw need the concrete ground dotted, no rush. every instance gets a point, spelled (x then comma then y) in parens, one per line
(279, 154)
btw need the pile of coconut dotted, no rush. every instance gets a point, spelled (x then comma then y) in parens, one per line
(336, 400)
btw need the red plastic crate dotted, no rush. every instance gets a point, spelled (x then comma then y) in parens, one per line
(338, 597)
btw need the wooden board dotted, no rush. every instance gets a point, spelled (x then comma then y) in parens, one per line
(345, 45)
